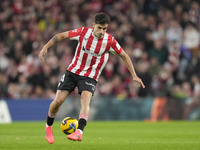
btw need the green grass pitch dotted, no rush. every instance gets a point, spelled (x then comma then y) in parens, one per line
(104, 135)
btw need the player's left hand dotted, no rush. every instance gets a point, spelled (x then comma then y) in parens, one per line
(140, 81)
(42, 53)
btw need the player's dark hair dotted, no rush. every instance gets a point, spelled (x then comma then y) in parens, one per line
(102, 18)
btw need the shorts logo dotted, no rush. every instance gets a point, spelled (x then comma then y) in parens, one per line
(93, 86)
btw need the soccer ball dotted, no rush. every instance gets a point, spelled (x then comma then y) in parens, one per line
(69, 125)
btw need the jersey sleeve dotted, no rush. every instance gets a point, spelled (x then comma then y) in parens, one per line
(115, 47)
(74, 34)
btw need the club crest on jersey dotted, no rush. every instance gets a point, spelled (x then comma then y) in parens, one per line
(103, 45)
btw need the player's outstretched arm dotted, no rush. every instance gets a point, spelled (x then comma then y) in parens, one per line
(129, 65)
(57, 38)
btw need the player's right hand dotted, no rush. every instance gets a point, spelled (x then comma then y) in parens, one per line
(42, 53)
(139, 81)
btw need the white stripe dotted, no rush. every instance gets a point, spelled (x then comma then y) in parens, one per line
(118, 46)
(106, 56)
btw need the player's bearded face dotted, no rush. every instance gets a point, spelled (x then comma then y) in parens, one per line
(99, 29)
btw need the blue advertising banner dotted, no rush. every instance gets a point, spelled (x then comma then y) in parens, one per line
(102, 108)
(28, 110)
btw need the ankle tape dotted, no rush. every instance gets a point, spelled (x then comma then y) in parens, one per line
(84, 116)
(52, 115)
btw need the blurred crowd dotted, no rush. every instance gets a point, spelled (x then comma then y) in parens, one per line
(162, 38)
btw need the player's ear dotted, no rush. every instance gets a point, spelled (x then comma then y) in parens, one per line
(93, 24)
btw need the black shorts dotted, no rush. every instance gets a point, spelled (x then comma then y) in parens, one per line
(69, 81)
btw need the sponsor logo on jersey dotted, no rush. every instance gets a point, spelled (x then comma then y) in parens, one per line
(85, 38)
(89, 52)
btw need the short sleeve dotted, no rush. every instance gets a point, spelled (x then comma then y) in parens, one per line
(74, 34)
(115, 47)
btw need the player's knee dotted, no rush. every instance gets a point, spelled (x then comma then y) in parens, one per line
(85, 102)
(86, 97)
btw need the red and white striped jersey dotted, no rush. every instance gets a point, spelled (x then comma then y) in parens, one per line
(91, 53)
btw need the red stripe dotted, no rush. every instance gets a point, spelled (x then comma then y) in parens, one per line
(79, 48)
(93, 61)
(98, 46)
